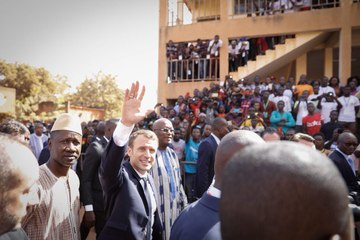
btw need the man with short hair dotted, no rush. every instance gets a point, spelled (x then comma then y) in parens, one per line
(167, 177)
(18, 173)
(38, 139)
(327, 105)
(57, 214)
(313, 121)
(341, 157)
(196, 220)
(206, 131)
(129, 191)
(207, 150)
(346, 145)
(16, 129)
(214, 51)
(233, 51)
(328, 128)
(178, 144)
(251, 209)
(270, 134)
(289, 134)
(281, 119)
(325, 88)
(91, 192)
(280, 97)
(266, 106)
(350, 107)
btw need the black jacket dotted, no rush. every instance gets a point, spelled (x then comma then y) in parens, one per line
(125, 202)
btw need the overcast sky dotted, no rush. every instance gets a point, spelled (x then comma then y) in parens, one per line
(79, 38)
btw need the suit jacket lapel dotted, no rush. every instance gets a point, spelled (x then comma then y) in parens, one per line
(134, 175)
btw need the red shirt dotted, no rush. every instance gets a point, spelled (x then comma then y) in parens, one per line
(312, 123)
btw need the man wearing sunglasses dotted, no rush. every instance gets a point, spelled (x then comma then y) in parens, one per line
(167, 178)
(341, 156)
(347, 143)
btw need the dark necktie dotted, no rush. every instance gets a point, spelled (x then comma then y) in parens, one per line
(145, 184)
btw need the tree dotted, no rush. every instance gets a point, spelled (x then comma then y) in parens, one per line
(33, 86)
(101, 91)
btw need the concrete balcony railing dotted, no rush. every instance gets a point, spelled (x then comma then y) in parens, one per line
(183, 12)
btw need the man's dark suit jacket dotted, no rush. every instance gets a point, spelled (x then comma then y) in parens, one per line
(125, 202)
(195, 221)
(345, 170)
(205, 165)
(91, 190)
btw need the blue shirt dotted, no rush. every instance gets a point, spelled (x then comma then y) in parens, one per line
(191, 155)
(276, 117)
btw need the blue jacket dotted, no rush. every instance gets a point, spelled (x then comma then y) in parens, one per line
(277, 117)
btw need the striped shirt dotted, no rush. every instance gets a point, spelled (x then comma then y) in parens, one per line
(170, 207)
(57, 214)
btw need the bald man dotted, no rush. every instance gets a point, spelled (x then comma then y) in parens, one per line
(341, 156)
(283, 191)
(167, 178)
(18, 174)
(196, 221)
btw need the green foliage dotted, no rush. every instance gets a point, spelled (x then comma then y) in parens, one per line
(33, 86)
(101, 91)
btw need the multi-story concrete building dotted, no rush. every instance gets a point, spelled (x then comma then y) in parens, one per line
(316, 38)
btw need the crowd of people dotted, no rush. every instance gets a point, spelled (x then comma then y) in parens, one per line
(200, 60)
(270, 7)
(177, 172)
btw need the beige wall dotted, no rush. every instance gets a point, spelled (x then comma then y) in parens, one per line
(344, 20)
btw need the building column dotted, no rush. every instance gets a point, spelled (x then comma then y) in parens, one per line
(224, 62)
(301, 66)
(328, 64)
(345, 43)
(162, 67)
(180, 12)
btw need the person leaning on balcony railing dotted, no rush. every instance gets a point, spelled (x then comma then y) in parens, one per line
(193, 62)
(201, 48)
(171, 55)
(214, 51)
(244, 48)
(183, 56)
(233, 51)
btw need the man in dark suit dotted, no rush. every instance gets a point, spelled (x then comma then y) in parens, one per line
(91, 193)
(347, 143)
(129, 191)
(207, 150)
(201, 218)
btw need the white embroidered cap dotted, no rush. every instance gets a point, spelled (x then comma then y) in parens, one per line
(68, 122)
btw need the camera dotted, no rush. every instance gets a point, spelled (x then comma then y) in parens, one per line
(330, 94)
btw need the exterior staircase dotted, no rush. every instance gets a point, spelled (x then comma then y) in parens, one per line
(281, 55)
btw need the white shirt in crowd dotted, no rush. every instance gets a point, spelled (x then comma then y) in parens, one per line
(232, 50)
(326, 90)
(214, 49)
(326, 108)
(302, 112)
(347, 112)
(287, 106)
